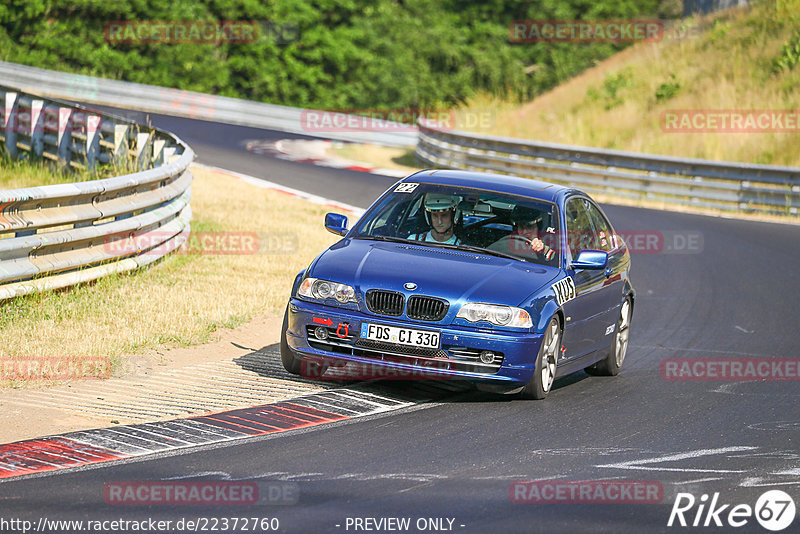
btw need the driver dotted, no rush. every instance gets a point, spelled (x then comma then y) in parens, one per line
(441, 212)
(527, 223)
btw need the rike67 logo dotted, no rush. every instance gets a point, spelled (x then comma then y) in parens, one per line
(774, 510)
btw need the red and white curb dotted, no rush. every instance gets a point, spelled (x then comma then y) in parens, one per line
(123, 442)
(315, 152)
(75, 449)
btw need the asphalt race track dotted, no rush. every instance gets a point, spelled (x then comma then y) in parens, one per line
(706, 288)
(222, 145)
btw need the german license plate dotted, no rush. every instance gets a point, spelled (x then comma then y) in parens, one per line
(402, 336)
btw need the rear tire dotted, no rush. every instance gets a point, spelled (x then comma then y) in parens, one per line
(289, 359)
(544, 373)
(612, 364)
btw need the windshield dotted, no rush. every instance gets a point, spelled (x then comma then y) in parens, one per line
(473, 219)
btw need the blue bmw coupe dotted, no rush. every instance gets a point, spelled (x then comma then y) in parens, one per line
(504, 281)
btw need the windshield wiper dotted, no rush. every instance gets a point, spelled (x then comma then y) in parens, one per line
(391, 239)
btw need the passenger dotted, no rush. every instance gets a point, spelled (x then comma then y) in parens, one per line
(441, 213)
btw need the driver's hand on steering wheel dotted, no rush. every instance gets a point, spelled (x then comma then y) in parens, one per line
(537, 245)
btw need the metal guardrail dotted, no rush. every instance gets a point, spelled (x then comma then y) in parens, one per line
(672, 180)
(202, 106)
(54, 236)
(690, 182)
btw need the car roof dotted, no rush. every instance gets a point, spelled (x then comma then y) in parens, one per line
(500, 183)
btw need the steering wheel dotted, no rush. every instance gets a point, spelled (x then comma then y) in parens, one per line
(529, 243)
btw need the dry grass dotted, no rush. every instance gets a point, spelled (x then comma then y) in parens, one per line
(19, 174)
(723, 63)
(183, 299)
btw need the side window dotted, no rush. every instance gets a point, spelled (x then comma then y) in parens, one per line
(381, 225)
(580, 234)
(412, 220)
(387, 222)
(601, 227)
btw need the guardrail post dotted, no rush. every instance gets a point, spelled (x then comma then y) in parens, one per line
(10, 122)
(37, 128)
(158, 152)
(144, 150)
(92, 140)
(64, 136)
(122, 145)
(169, 151)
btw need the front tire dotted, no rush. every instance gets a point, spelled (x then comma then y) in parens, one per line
(612, 365)
(289, 359)
(544, 373)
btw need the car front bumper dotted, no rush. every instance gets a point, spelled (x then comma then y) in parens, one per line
(458, 356)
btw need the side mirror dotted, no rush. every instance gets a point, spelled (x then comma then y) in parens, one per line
(335, 223)
(591, 259)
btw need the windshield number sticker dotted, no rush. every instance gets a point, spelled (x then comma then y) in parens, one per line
(564, 290)
(407, 187)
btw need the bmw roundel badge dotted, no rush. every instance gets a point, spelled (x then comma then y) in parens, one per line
(411, 286)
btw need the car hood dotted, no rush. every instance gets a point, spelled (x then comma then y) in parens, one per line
(455, 275)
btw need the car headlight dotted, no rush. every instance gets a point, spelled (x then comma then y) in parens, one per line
(499, 315)
(324, 289)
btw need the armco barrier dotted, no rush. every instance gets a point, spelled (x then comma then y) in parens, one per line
(690, 182)
(57, 235)
(190, 104)
(671, 180)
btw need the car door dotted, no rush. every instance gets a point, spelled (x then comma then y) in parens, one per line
(586, 313)
(615, 271)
